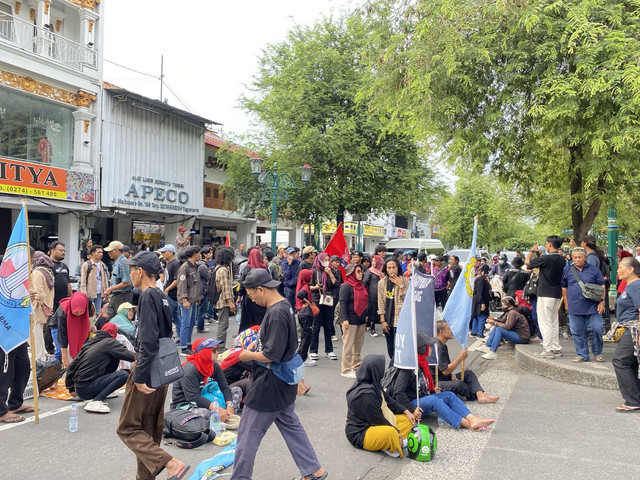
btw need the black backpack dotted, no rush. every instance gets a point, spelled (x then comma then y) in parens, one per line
(605, 266)
(389, 379)
(190, 430)
(213, 294)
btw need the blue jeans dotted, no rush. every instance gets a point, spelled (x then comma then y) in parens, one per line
(581, 327)
(534, 314)
(446, 405)
(97, 302)
(187, 322)
(175, 315)
(103, 386)
(58, 352)
(477, 324)
(203, 308)
(498, 333)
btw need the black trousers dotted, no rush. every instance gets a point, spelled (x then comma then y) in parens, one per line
(441, 297)
(625, 365)
(306, 322)
(391, 343)
(325, 320)
(466, 388)
(15, 378)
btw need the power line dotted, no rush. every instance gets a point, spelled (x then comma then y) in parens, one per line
(175, 95)
(133, 70)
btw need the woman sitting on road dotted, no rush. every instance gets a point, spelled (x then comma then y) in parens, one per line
(627, 355)
(445, 404)
(512, 326)
(392, 289)
(375, 421)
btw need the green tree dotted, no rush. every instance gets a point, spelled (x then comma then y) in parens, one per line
(545, 94)
(304, 99)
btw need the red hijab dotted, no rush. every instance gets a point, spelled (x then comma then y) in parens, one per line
(111, 329)
(202, 360)
(303, 284)
(77, 325)
(255, 259)
(360, 293)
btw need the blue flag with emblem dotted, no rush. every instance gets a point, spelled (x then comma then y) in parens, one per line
(15, 304)
(457, 311)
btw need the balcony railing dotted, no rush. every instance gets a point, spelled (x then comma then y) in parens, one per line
(45, 43)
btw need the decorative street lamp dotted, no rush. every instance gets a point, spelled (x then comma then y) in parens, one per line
(278, 183)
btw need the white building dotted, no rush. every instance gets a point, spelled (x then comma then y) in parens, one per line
(50, 78)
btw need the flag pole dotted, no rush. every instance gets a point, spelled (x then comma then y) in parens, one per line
(415, 336)
(475, 225)
(34, 374)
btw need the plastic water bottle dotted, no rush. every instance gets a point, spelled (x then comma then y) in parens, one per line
(73, 418)
(214, 420)
(441, 421)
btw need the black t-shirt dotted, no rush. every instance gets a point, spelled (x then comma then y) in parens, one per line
(171, 274)
(443, 360)
(278, 342)
(551, 269)
(390, 305)
(61, 283)
(454, 274)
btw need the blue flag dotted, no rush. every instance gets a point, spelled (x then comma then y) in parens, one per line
(15, 304)
(208, 469)
(457, 311)
(418, 315)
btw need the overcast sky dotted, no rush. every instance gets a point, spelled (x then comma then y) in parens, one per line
(210, 47)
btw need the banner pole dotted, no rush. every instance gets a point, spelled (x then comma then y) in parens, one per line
(34, 374)
(462, 371)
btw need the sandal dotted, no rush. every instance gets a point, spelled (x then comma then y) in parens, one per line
(311, 476)
(12, 419)
(599, 358)
(181, 474)
(627, 409)
(24, 409)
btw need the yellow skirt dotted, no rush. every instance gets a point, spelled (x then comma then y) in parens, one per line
(385, 437)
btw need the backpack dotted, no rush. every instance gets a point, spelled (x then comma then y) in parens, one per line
(213, 294)
(389, 379)
(189, 428)
(531, 287)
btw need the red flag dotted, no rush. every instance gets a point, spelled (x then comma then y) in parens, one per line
(338, 246)
(227, 242)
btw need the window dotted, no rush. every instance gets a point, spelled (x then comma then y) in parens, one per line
(215, 193)
(35, 130)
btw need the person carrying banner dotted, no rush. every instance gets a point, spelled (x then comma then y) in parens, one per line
(468, 386)
(445, 404)
(392, 289)
(375, 421)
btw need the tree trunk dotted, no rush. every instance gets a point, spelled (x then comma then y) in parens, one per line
(580, 222)
(340, 215)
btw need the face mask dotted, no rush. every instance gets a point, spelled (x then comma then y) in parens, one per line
(501, 262)
(325, 264)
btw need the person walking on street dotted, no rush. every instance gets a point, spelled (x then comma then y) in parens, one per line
(271, 400)
(142, 416)
(290, 275)
(62, 286)
(585, 316)
(224, 283)
(189, 288)
(549, 294)
(322, 282)
(120, 290)
(203, 270)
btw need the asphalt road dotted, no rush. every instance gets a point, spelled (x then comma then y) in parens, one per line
(543, 429)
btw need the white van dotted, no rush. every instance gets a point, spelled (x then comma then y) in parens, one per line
(416, 245)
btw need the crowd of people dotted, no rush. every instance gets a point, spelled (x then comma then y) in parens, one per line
(106, 333)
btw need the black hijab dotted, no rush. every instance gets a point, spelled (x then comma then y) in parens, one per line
(368, 377)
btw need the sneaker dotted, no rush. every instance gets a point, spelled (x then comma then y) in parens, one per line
(483, 349)
(310, 363)
(349, 374)
(96, 406)
(473, 334)
(204, 330)
(334, 339)
(373, 333)
(313, 356)
(186, 351)
(544, 354)
(480, 335)
(332, 356)
(490, 356)
(557, 353)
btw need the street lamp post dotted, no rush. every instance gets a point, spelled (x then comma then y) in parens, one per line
(279, 184)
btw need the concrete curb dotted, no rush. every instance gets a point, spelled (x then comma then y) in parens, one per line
(590, 374)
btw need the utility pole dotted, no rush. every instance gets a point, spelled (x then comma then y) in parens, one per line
(161, 75)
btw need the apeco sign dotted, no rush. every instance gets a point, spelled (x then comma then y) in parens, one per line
(156, 194)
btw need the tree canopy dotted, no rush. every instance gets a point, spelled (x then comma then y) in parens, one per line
(545, 94)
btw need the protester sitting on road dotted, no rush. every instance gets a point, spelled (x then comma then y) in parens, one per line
(375, 421)
(515, 278)
(353, 313)
(469, 387)
(199, 369)
(445, 404)
(511, 326)
(124, 320)
(94, 373)
(72, 318)
(392, 290)
(627, 355)
(585, 315)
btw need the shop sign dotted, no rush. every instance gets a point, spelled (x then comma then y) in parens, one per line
(401, 233)
(351, 228)
(37, 180)
(373, 231)
(155, 194)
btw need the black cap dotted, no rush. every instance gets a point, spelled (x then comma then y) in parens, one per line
(259, 277)
(357, 252)
(146, 260)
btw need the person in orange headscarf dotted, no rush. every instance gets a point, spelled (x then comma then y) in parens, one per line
(72, 318)
(199, 369)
